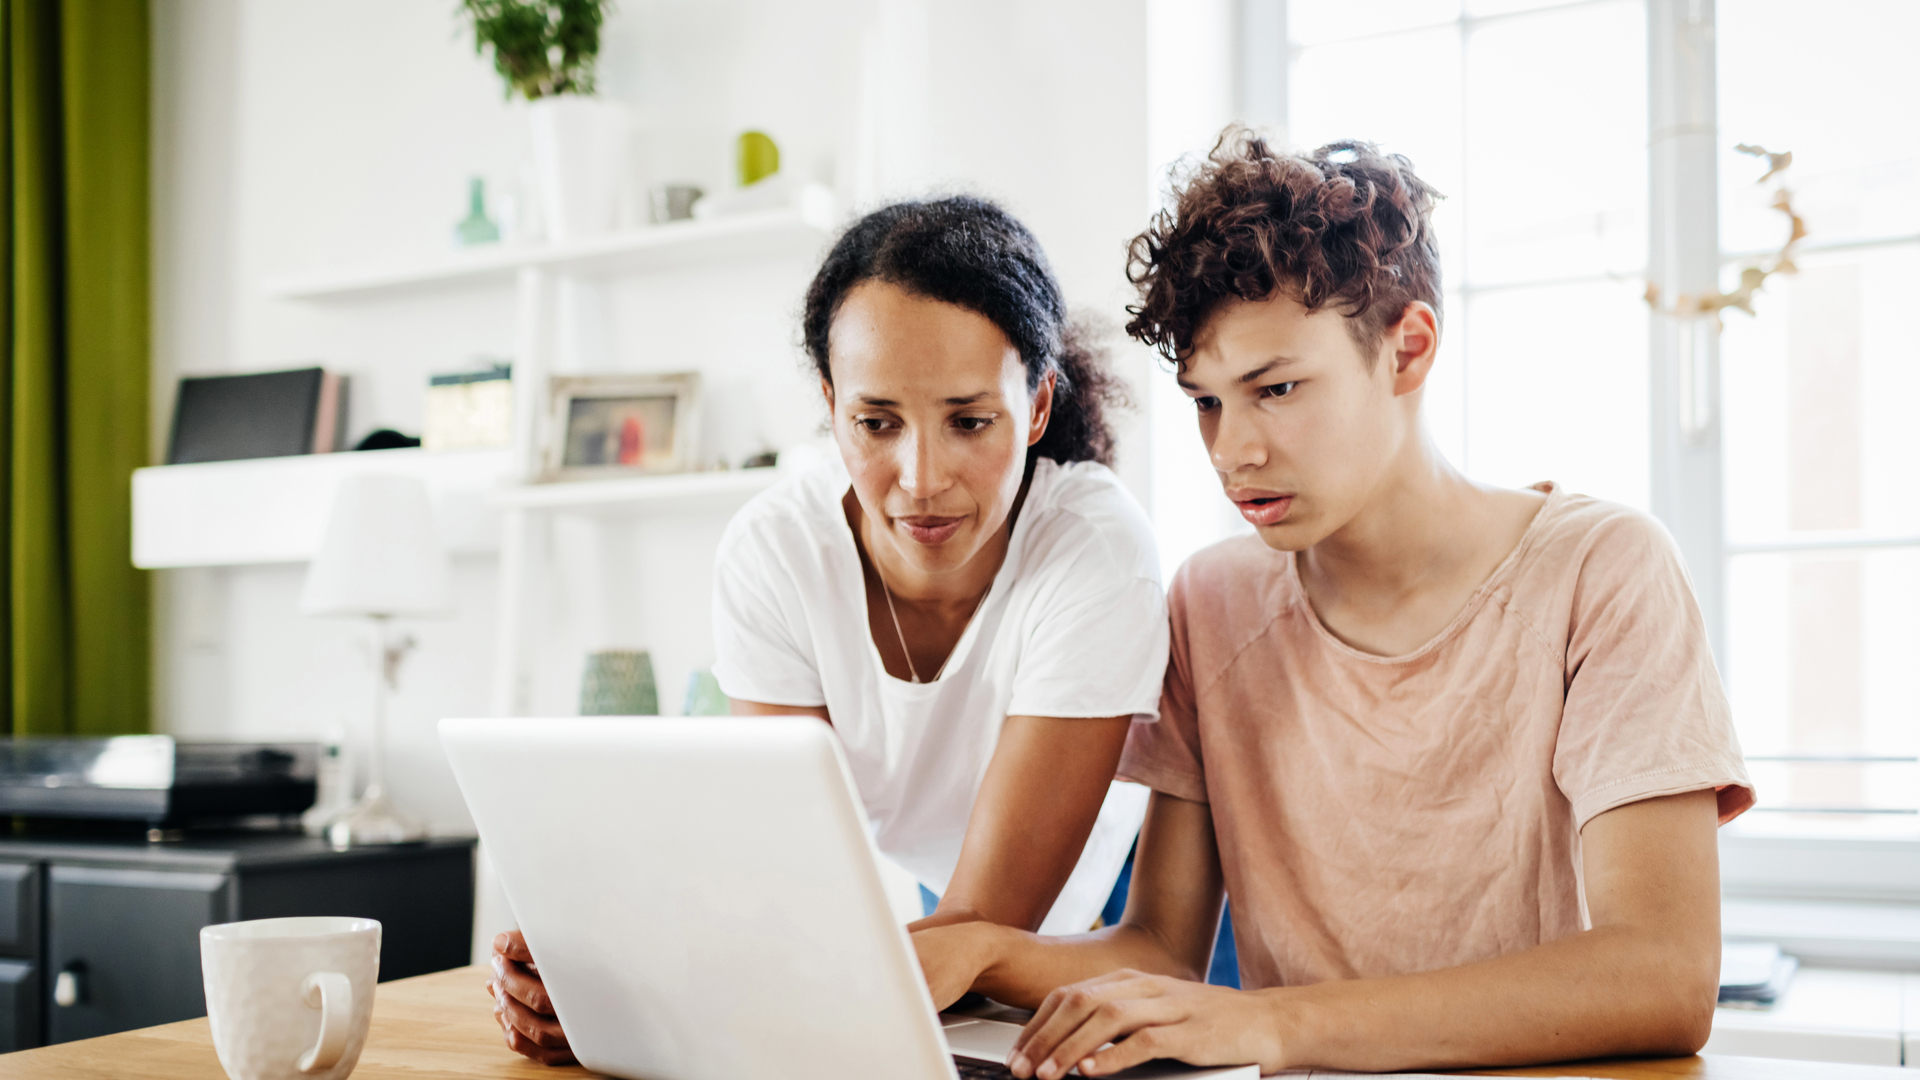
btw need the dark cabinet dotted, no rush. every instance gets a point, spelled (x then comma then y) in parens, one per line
(20, 972)
(123, 949)
(19, 1004)
(98, 937)
(19, 908)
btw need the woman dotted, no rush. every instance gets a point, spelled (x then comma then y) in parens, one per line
(968, 595)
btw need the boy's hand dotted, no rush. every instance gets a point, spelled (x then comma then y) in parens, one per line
(1145, 1017)
(521, 1004)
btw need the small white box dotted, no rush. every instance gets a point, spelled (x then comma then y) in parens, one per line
(470, 410)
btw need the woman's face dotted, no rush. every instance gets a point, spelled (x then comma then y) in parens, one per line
(931, 411)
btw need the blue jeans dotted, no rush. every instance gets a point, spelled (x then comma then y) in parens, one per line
(1223, 970)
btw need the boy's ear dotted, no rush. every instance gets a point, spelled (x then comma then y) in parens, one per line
(826, 391)
(1410, 345)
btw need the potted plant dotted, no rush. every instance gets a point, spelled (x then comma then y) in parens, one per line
(545, 50)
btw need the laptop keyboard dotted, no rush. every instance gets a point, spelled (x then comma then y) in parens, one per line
(975, 1069)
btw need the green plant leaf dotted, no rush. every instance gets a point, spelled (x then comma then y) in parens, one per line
(540, 47)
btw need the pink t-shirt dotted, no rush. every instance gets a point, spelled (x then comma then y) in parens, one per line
(1386, 815)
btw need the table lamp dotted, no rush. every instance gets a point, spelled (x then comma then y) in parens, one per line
(381, 557)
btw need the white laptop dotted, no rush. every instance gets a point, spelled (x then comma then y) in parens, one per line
(702, 900)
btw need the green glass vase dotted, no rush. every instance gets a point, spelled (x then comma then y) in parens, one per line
(619, 682)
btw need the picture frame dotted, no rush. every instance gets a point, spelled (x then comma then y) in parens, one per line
(601, 427)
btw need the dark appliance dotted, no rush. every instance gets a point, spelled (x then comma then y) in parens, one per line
(156, 779)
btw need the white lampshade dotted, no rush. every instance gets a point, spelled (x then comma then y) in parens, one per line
(381, 554)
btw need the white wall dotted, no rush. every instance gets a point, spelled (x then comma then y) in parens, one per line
(1192, 95)
(295, 135)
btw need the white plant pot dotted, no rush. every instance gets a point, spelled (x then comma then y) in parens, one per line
(579, 151)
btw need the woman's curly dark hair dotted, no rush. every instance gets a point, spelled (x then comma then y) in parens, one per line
(1345, 226)
(968, 251)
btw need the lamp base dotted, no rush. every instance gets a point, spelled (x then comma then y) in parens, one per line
(373, 820)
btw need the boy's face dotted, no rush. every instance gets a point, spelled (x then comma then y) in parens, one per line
(1302, 429)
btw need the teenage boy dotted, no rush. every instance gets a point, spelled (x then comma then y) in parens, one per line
(1458, 753)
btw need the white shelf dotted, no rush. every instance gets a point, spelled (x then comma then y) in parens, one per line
(274, 510)
(759, 235)
(639, 494)
(263, 512)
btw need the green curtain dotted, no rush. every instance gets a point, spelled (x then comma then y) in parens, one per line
(73, 377)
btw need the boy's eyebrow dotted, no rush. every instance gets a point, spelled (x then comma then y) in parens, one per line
(1278, 361)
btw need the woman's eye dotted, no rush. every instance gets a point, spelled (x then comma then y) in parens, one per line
(973, 423)
(872, 424)
(1278, 389)
(1206, 404)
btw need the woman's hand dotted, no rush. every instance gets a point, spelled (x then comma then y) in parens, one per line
(953, 956)
(1146, 1017)
(521, 1004)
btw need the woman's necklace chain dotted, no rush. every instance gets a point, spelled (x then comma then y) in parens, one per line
(902, 635)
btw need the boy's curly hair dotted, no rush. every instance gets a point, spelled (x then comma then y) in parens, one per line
(1345, 226)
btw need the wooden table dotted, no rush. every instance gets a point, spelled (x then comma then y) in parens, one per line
(441, 1026)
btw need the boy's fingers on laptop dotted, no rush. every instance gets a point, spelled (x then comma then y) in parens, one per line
(1127, 1020)
(1137, 1048)
(1052, 1003)
(1121, 1023)
(1076, 1020)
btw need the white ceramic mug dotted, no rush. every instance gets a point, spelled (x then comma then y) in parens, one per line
(290, 999)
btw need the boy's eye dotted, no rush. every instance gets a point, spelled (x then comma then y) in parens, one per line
(1206, 404)
(873, 424)
(973, 423)
(1278, 389)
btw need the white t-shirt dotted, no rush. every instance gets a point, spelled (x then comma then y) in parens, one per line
(1074, 625)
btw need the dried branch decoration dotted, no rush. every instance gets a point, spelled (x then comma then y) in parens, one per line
(1755, 273)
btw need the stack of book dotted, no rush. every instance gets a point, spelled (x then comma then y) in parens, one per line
(1753, 976)
(270, 414)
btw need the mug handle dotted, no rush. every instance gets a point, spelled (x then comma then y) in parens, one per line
(332, 994)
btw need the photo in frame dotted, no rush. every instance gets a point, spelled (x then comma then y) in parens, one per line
(605, 426)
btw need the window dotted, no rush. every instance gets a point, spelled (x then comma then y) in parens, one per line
(1487, 105)
(1822, 502)
(1533, 118)
(1541, 153)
